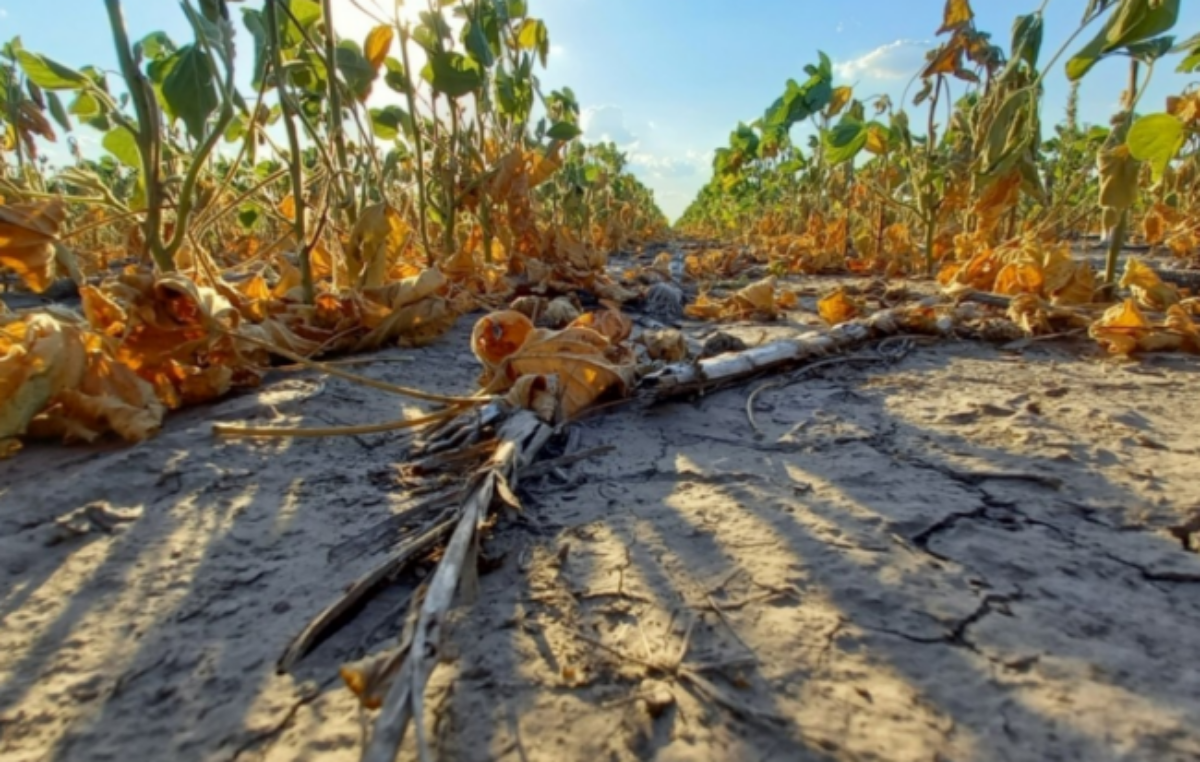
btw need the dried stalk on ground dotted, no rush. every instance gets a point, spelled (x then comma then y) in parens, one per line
(520, 438)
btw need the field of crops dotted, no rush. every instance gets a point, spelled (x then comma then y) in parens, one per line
(339, 430)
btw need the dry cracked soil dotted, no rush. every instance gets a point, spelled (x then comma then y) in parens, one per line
(970, 554)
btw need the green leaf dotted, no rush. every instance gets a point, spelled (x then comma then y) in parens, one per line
(1191, 61)
(1132, 22)
(396, 77)
(188, 89)
(122, 144)
(1156, 139)
(563, 131)
(256, 23)
(48, 74)
(744, 140)
(57, 111)
(477, 44)
(452, 74)
(799, 102)
(533, 35)
(1190, 64)
(516, 8)
(389, 122)
(155, 46)
(237, 129)
(425, 37)
(307, 12)
(1150, 51)
(514, 96)
(844, 142)
(248, 216)
(355, 68)
(211, 33)
(1027, 38)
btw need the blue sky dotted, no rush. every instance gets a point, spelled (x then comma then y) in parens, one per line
(669, 79)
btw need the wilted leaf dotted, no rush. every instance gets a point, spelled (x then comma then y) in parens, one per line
(1122, 328)
(588, 366)
(958, 13)
(380, 234)
(610, 323)
(666, 345)
(838, 307)
(497, 336)
(1118, 177)
(758, 300)
(1148, 289)
(1020, 278)
(57, 378)
(27, 240)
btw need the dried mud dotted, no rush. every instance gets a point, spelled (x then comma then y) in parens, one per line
(969, 555)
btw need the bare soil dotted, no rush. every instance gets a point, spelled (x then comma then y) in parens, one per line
(972, 554)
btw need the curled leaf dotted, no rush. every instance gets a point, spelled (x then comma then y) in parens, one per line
(27, 241)
(1148, 289)
(838, 307)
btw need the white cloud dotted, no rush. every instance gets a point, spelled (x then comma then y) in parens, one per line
(558, 51)
(893, 61)
(3, 13)
(659, 167)
(607, 123)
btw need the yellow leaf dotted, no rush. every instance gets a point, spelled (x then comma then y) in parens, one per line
(378, 44)
(499, 335)
(543, 167)
(1180, 322)
(758, 297)
(1147, 287)
(413, 325)
(1154, 227)
(611, 323)
(877, 140)
(1029, 312)
(1118, 177)
(57, 378)
(380, 234)
(958, 13)
(27, 239)
(837, 308)
(287, 207)
(1019, 278)
(841, 96)
(1121, 328)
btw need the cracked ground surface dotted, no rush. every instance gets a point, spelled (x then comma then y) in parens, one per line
(969, 555)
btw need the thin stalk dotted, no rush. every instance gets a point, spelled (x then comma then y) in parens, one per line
(450, 213)
(336, 131)
(296, 159)
(148, 134)
(418, 141)
(1116, 241)
(1115, 244)
(14, 103)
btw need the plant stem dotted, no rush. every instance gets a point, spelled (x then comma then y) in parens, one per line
(418, 142)
(1115, 244)
(336, 131)
(1117, 240)
(148, 134)
(296, 159)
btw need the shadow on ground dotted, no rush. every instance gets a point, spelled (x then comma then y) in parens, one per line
(964, 557)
